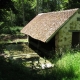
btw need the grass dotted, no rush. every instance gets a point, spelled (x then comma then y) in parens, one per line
(66, 68)
(69, 65)
(14, 41)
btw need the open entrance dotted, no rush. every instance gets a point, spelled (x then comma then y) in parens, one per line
(75, 39)
(45, 47)
(49, 46)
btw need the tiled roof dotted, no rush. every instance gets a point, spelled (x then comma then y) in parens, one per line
(45, 24)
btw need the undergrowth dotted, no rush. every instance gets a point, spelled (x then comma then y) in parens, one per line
(66, 68)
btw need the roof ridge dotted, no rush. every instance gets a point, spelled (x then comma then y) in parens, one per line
(59, 11)
(44, 25)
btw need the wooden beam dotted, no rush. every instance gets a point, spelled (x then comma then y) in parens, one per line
(74, 30)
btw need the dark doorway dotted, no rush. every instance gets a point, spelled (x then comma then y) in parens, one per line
(48, 46)
(45, 47)
(75, 39)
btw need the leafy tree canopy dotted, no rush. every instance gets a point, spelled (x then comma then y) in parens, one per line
(7, 5)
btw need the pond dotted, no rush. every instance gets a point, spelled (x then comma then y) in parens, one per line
(21, 53)
(16, 47)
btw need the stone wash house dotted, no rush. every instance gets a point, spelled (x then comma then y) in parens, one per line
(54, 30)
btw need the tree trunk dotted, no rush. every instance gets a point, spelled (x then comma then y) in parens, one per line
(23, 12)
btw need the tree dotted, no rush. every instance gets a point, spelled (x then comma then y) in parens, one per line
(26, 11)
(6, 5)
(74, 4)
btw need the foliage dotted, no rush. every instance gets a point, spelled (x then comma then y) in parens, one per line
(74, 4)
(10, 30)
(66, 68)
(70, 63)
(25, 10)
(4, 7)
(20, 12)
(13, 14)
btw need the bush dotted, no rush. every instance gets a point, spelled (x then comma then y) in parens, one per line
(11, 30)
(66, 68)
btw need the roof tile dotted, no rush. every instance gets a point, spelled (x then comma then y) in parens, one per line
(45, 24)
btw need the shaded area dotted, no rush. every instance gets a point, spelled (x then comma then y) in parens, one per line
(22, 53)
(6, 37)
(15, 69)
(43, 49)
(11, 70)
(75, 39)
(15, 47)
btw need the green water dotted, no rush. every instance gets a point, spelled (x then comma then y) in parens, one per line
(16, 48)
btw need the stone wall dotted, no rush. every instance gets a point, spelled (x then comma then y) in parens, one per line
(64, 36)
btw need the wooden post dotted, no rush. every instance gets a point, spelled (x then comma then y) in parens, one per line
(28, 41)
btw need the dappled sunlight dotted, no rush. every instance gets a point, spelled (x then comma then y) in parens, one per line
(18, 67)
(21, 53)
(20, 62)
(12, 69)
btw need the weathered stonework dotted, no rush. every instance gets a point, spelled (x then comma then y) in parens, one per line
(64, 36)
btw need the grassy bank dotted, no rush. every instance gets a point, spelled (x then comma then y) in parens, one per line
(66, 68)
(69, 66)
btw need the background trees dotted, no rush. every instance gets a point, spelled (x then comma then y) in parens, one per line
(74, 4)
(20, 12)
